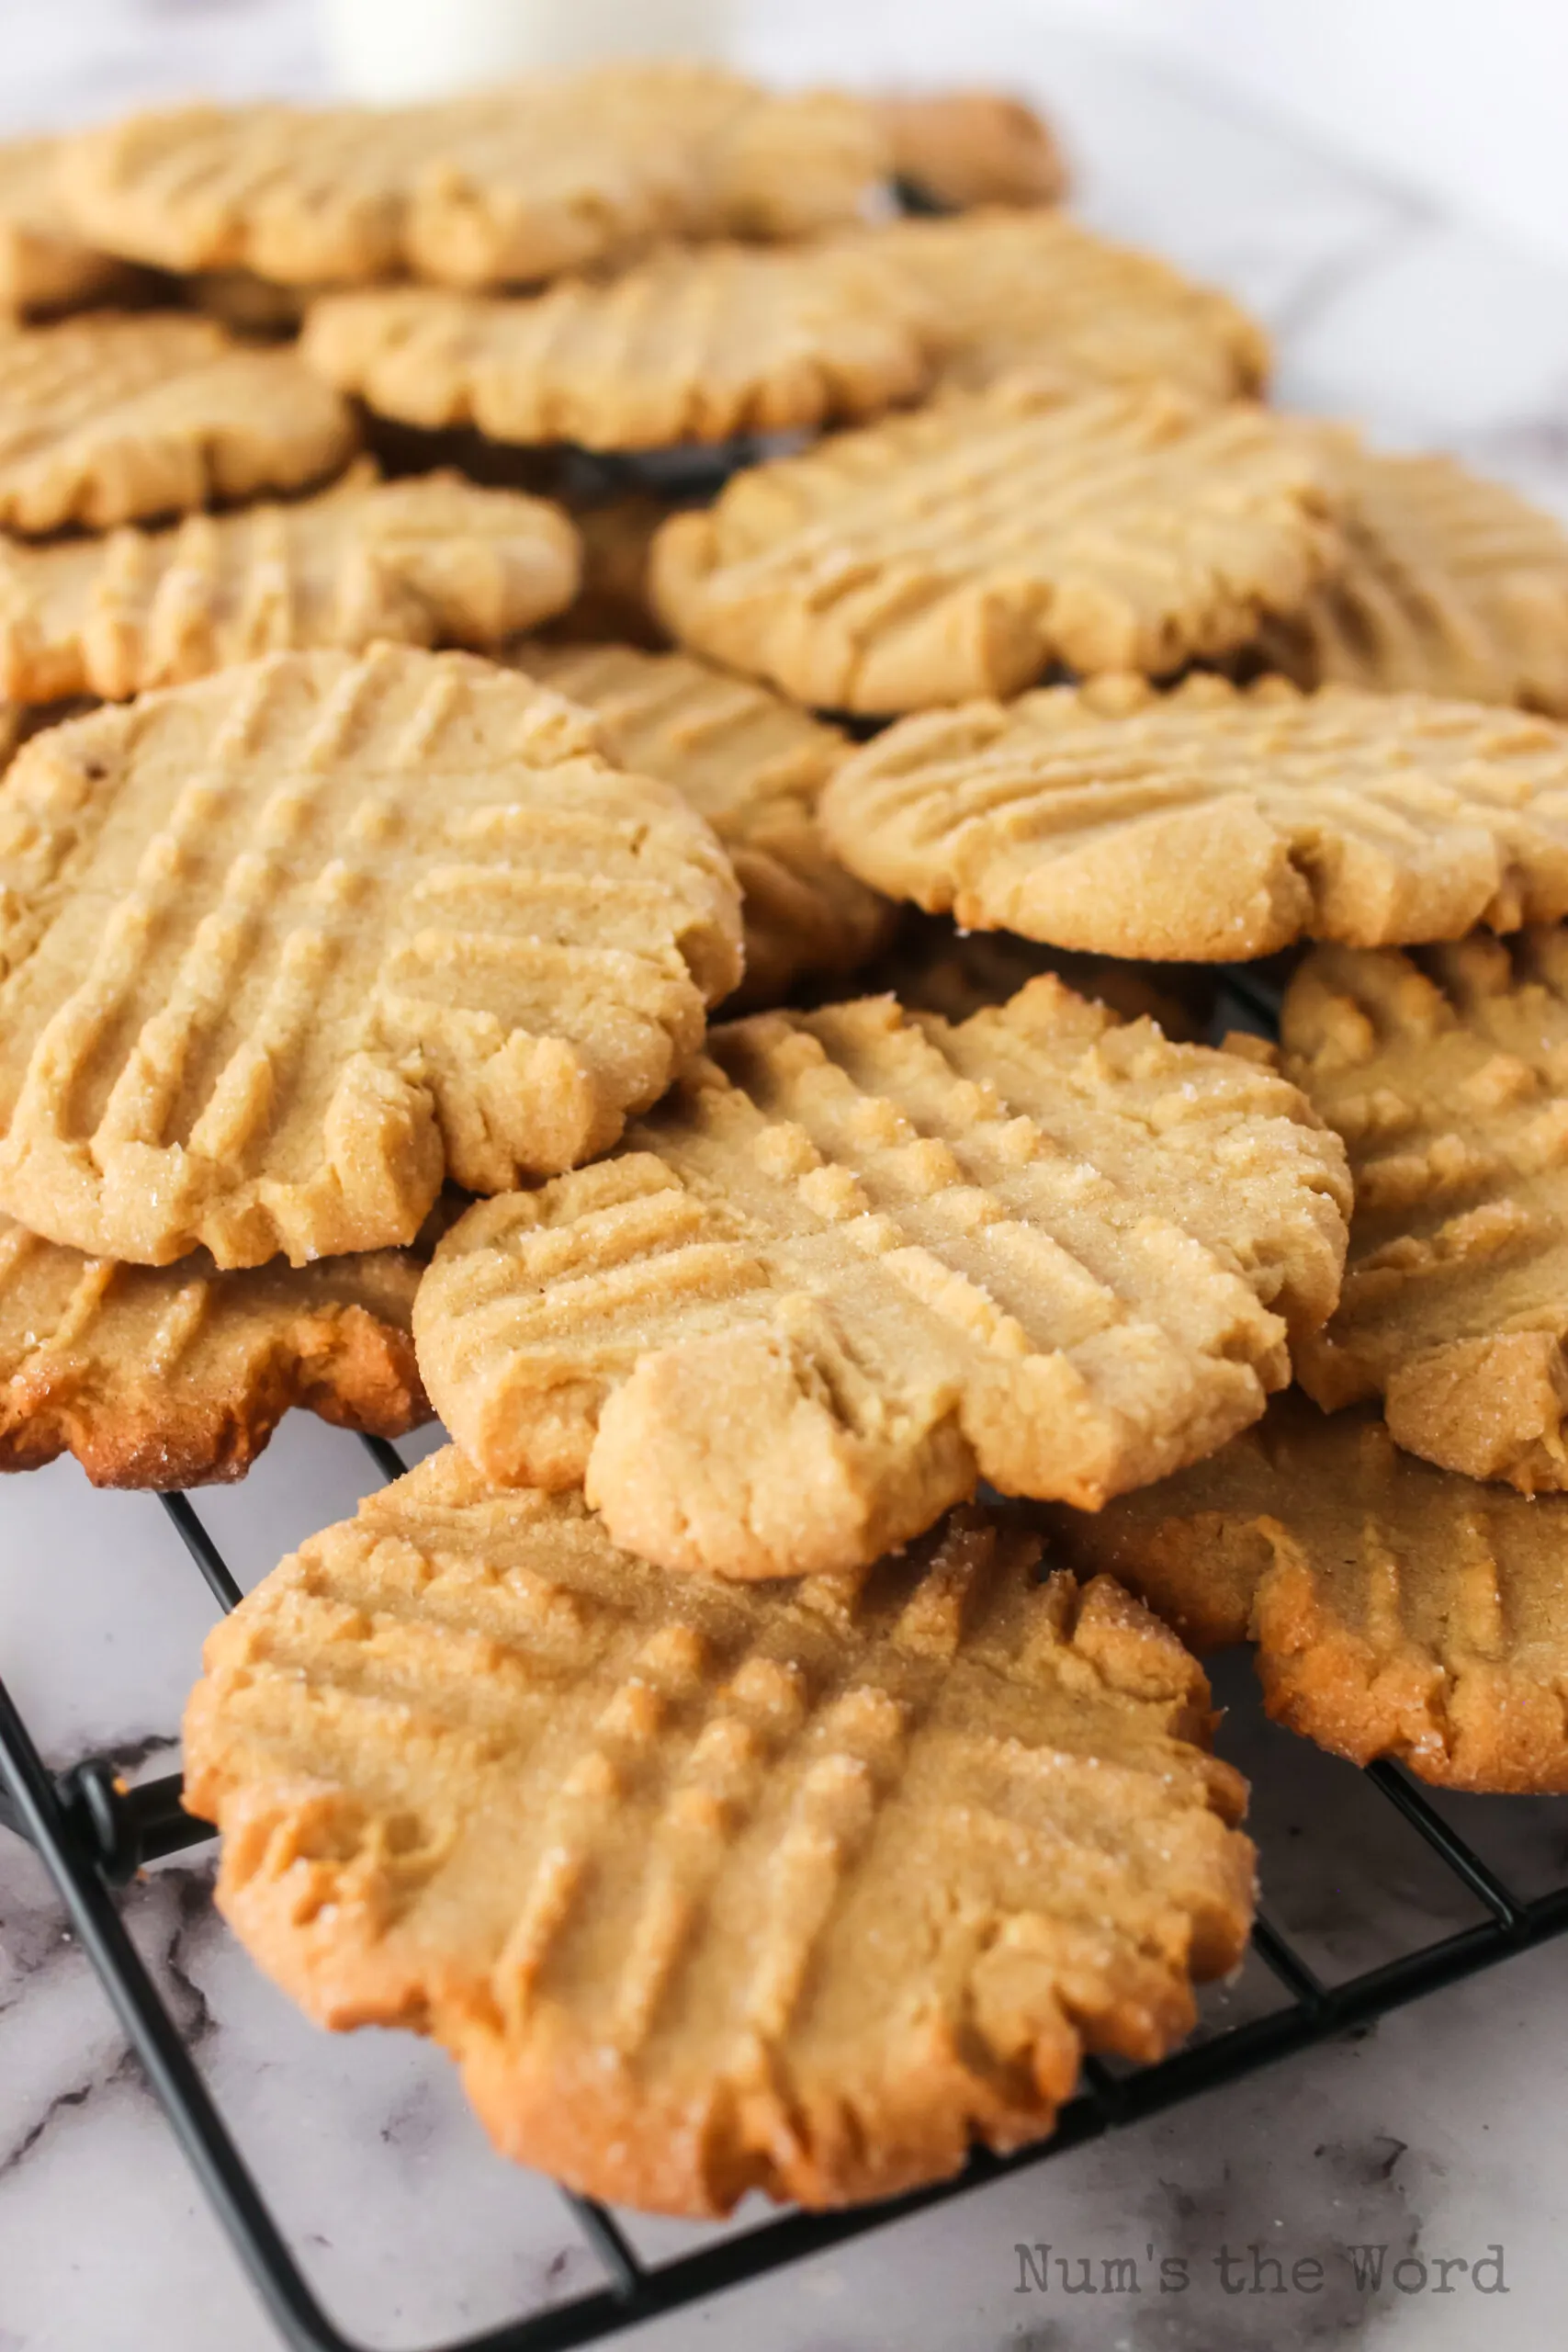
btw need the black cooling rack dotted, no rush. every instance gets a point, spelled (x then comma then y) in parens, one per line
(94, 1834)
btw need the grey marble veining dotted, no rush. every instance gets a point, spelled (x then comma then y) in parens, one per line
(1435, 2136)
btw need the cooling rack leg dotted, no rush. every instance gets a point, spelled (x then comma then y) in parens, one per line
(42, 1818)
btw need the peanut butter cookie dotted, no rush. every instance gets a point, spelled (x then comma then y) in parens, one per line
(105, 418)
(964, 549)
(696, 344)
(1446, 1075)
(177, 1376)
(1398, 1610)
(280, 948)
(711, 1888)
(554, 172)
(431, 561)
(1451, 585)
(858, 1260)
(1212, 823)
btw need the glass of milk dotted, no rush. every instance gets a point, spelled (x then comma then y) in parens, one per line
(388, 52)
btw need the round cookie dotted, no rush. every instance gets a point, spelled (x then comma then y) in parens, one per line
(432, 561)
(1447, 1076)
(498, 186)
(964, 549)
(104, 419)
(177, 1376)
(712, 1888)
(754, 766)
(1398, 1610)
(858, 1260)
(696, 344)
(1214, 822)
(283, 948)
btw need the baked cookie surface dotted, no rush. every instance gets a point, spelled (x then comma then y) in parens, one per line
(177, 1376)
(1037, 295)
(754, 766)
(696, 344)
(1398, 1610)
(1452, 585)
(110, 417)
(711, 1888)
(434, 560)
(857, 1260)
(1213, 823)
(552, 173)
(963, 550)
(1446, 1075)
(282, 947)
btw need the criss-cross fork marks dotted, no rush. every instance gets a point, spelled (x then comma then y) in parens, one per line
(1126, 472)
(104, 419)
(1384, 818)
(270, 921)
(431, 561)
(736, 750)
(54, 379)
(737, 1844)
(498, 187)
(951, 1227)
(1448, 1077)
(958, 550)
(694, 344)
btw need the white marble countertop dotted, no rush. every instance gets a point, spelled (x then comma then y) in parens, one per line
(1438, 2134)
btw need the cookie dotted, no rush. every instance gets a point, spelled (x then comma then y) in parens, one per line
(710, 1888)
(1034, 293)
(429, 562)
(964, 549)
(957, 148)
(698, 343)
(44, 265)
(1398, 1610)
(754, 766)
(282, 947)
(1448, 1077)
(177, 1376)
(858, 1260)
(1213, 822)
(932, 968)
(556, 171)
(105, 418)
(1451, 585)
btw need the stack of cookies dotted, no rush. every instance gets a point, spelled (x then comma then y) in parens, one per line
(760, 1746)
